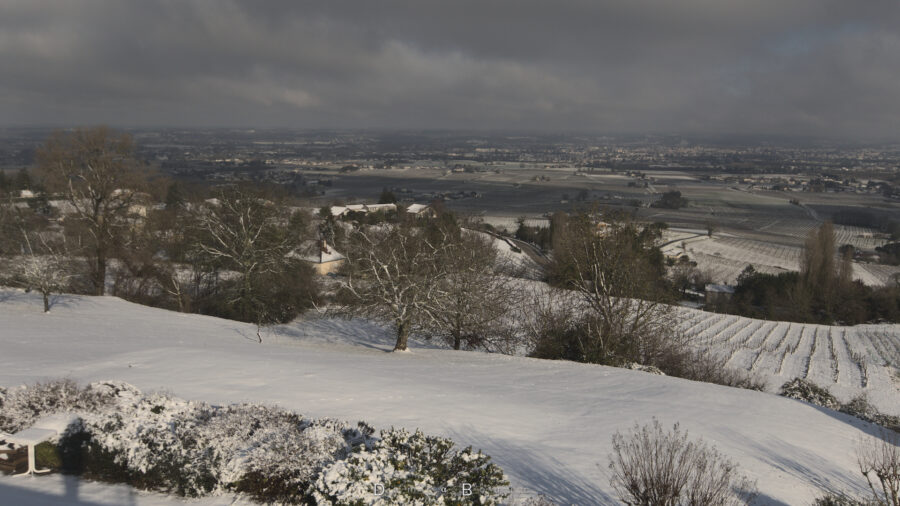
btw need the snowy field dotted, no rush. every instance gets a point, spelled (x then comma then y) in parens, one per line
(547, 423)
(724, 256)
(849, 361)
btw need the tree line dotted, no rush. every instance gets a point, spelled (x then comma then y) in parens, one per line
(823, 291)
(115, 227)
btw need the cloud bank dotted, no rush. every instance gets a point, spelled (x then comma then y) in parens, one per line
(766, 67)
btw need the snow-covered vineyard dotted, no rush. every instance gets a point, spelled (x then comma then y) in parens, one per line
(849, 361)
(724, 256)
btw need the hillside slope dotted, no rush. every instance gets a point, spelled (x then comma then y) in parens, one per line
(849, 361)
(547, 423)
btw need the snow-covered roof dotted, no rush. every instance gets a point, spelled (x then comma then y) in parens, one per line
(719, 288)
(324, 254)
(337, 211)
(416, 208)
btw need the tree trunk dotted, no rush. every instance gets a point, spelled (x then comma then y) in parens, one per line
(457, 340)
(100, 274)
(402, 335)
(46, 301)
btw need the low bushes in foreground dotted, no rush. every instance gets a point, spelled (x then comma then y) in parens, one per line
(163, 443)
(650, 466)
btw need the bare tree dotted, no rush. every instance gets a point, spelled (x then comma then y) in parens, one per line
(879, 462)
(394, 276)
(650, 467)
(618, 274)
(97, 172)
(44, 264)
(817, 265)
(244, 232)
(48, 272)
(475, 300)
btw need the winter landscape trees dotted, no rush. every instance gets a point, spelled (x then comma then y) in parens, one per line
(96, 171)
(436, 277)
(823, 291)
(241, 231)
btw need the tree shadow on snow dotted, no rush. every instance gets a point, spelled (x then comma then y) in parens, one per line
(869, 428)
(354, 332)
(11, 494)
(799, 462)
(63, 300)
(544, 474)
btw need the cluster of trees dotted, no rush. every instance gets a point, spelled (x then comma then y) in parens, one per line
(116, 228)
(671, 200)
(610, 301)
(822, 292)
(433, 277)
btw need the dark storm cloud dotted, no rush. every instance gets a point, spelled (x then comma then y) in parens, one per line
(808, 67)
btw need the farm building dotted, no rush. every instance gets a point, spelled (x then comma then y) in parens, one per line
(718, 293)
(421, 211)
(325, 260)
(338, 211)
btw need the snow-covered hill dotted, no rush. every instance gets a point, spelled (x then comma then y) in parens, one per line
(547, 423)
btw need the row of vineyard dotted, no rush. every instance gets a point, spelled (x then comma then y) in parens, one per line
(864, 359)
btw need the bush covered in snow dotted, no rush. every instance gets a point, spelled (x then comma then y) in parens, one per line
(805, 390)
(412, 468)
(21, 407)
(859, 406)
(160, 442)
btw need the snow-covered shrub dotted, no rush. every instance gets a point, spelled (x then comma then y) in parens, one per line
(281, 465)
(412, 468)
(805, 390)
(161, 442)
(21, 407)
(634, 366)
(859, 406)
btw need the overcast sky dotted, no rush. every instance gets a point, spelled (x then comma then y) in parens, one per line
(797, 67)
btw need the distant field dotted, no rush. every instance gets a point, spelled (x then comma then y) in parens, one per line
(725, 256)
(849, 361)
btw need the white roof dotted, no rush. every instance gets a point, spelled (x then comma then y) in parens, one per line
(323, 257)
(416, 208)
(719, 288)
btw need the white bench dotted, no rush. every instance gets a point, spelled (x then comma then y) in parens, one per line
(31, 438)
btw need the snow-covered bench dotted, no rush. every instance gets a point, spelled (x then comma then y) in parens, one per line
(28, 438)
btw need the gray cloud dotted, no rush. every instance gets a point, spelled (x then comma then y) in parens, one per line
(804, 67)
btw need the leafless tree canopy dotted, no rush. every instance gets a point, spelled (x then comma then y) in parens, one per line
(879, 462)
(97, 172)
(618, 277)
(474, 298)
(393, 276)
(243, 232)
